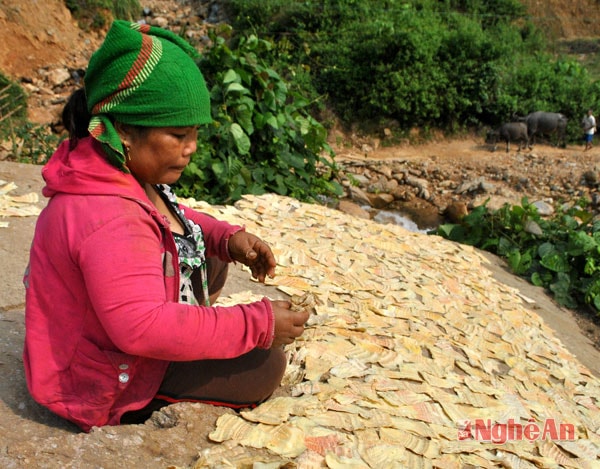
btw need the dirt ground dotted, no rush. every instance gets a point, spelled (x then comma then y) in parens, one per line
(32, 437)
(40, 35)
(470, 157)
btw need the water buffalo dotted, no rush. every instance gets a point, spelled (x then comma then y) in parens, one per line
(546, 123)
(509, 132)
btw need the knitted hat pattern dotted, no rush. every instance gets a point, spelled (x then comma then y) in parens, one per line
(146, 76)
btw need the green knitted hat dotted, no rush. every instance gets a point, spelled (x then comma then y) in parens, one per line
(143, 75)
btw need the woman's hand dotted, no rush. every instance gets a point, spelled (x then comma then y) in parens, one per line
(289, 324)
(250, 250)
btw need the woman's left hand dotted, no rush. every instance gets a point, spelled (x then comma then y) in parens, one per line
(250, 250)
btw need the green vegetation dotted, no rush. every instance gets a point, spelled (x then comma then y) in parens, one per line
(283, 65)
(263, 139)
(451, 65)
(13, 104)
(30, 143)
(583, 50)
(561, 253)
(94, 14)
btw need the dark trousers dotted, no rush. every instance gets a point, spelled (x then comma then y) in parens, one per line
(237, 382)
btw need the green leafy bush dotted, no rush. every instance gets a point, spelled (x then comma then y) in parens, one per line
(29, 143)
(13, 105)
(561, 253)
(450, 65)
(263, 138)
(32, 143)
(96, 14)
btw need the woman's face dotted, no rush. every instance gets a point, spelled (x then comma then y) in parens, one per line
(158, 155)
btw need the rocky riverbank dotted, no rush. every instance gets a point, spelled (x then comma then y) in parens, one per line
(430, 181)
(441, 181)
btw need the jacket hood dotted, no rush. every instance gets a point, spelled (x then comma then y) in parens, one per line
(85, 170)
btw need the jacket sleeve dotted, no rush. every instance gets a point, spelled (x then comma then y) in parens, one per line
(216, 233)
(128, 272)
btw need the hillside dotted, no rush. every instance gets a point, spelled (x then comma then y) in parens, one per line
(566, 19)
(44, 46)
(35, 35)
(38, 37)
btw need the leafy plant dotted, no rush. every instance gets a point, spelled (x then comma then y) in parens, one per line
(448, 65)
(262, 138)
(13, 105)
(97, 14)
(32, 143)
(561, 253)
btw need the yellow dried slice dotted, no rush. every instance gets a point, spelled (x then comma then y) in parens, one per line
(405, 347)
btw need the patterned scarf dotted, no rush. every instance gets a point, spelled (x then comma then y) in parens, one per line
(143, 75)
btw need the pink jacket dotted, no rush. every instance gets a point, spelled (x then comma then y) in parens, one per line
(102, 318)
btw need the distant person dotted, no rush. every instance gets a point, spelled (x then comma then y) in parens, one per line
(589, 128)
(121, 278)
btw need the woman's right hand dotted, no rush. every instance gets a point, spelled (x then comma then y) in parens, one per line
(288, 324)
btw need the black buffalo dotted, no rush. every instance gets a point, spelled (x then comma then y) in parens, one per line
(546, 123)
(509, 132)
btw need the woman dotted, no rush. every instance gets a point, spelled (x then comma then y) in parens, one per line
(121, 278)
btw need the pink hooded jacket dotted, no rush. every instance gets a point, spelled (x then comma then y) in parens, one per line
(102, 318)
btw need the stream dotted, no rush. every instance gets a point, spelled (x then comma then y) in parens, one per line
(397, 218)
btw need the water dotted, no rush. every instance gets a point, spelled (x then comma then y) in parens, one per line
(396, 218)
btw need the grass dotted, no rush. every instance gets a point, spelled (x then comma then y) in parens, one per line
(585, 50)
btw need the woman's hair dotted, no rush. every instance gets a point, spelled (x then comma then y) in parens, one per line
(76, 119)
(75, 116)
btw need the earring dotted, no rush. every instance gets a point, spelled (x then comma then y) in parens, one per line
(126, 151)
